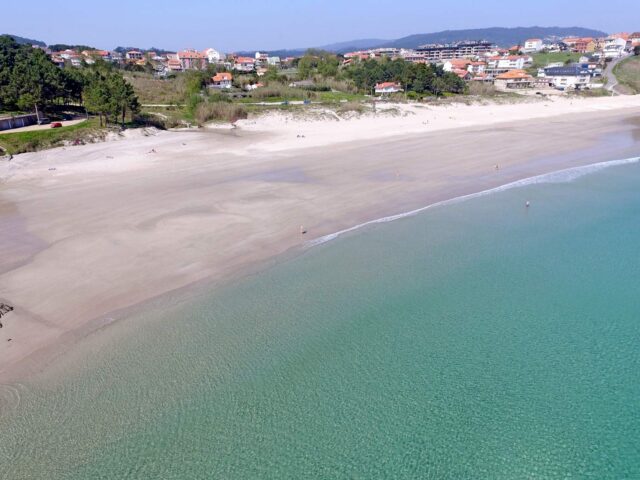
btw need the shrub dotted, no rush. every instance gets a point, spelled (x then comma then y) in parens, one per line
(221, 111)
(281, 91)
(356, 107)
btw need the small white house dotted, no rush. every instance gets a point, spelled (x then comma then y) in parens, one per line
(532, 45)
(244, 64)
(388, 87)
(222, 80)
(213, 56)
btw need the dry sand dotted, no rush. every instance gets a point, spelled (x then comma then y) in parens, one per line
(93, 229)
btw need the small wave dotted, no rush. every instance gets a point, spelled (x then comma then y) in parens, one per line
(9, 398)
(560, 176)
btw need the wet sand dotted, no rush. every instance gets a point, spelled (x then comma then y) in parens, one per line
(115, 225)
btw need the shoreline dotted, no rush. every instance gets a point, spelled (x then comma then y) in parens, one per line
(30, 367)
(542, 178)
(259, 246)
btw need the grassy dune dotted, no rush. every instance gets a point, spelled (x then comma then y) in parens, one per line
(628, 74)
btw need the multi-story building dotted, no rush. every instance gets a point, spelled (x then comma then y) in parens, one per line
(212, 55)
(574, 76)
(192, 60)
(244, 64)
(134, 55)
(467, 49)
(502, 64)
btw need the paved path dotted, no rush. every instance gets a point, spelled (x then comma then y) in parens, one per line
(65, 123)
(612, 81)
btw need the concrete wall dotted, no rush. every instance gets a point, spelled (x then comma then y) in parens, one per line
(7, 123)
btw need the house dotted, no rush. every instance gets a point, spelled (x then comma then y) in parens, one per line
(513, 80)
(614, 46)
(532, 45)
(192, 60)
(65, 54)
(212, 55)
(253, 86)
(388, 87)
(244, 64)
(568, 77)
(503, 64)
(261, 58)
(222, 80)
(455, 64)
(174, 65)
(134, 55)
(59, 61)
(477, 67)
(274, 62)
(465, 75)
(580, 44)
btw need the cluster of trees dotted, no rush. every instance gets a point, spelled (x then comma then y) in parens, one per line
(317, 62)
(29, 80)
(422, 79)
(415, 77)
(109, 95)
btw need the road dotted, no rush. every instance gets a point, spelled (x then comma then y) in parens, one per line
(612, 81)
(65, 123)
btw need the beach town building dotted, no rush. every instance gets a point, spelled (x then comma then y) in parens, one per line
(222, 80)
(513, 80)
(244, 64)
(455, 64)
(174, 65)
(574, 76)
(261, 59)
(253, 86)
(466, 49)
(614, 46)
(580, 44)
(274, 62)
(192, 60)
(212, 55)
(502, 64)
(134, 55)
(532, 45)
(385, 88)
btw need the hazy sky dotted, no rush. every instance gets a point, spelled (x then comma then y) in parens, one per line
(273, 24)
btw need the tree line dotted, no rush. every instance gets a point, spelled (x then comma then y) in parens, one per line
(30, 80)
(420, 78)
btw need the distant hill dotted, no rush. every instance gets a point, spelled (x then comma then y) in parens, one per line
(504, 37)
(26, 41)
(352, 45)
(159, 51)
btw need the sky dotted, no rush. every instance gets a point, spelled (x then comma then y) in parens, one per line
(234, 25)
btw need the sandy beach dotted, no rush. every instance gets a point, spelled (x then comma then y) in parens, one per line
(94, 229)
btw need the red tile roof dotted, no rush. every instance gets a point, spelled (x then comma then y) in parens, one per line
(221, 77)
(514, 75)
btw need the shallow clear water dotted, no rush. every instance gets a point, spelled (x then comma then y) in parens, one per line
(478, 339)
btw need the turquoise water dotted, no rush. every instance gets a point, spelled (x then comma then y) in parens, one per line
(474, 340)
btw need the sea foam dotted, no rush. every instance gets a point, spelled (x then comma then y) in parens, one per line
(559, 176)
